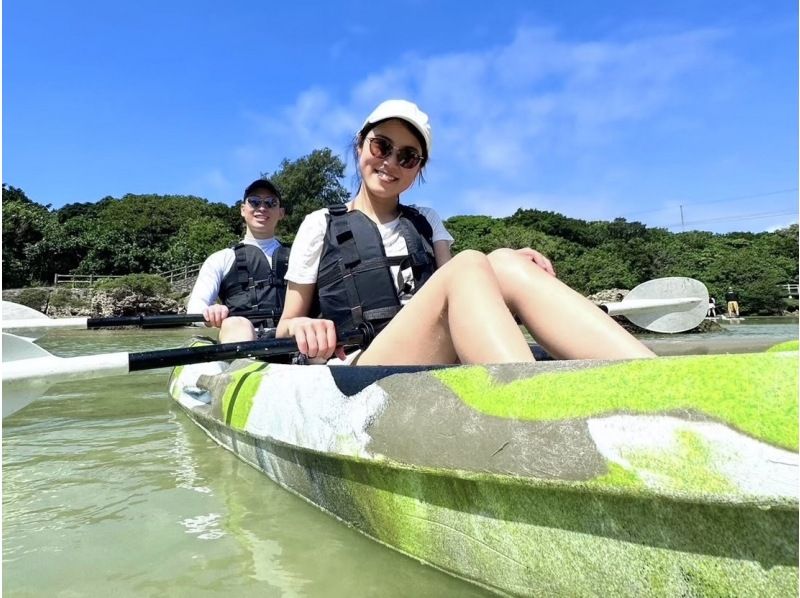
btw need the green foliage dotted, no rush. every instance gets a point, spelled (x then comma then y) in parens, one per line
(33, 298)
(307, 184)
(24, 225)
(196, 240)
(148, 285)
(66, 297)
(601, 268)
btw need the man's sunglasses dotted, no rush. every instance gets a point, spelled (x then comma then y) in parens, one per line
(257, 202)
(407, 157)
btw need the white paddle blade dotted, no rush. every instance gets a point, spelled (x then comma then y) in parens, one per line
(16, 347)
(22, 313)
(24, 321)
(28, 370)
(685, 315)
(15, 397)
(15, 311)
(37, 326)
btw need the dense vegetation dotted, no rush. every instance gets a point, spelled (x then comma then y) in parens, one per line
(156, 233)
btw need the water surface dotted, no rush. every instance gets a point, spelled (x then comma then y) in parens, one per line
(109, 488)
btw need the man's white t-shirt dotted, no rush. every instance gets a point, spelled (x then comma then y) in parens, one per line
(307, 247)
(216, 267)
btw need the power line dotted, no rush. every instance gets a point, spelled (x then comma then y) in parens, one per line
(727, 199)
(736, 218)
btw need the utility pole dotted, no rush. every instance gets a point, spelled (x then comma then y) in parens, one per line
(683, 228)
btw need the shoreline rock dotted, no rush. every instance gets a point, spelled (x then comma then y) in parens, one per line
(66, 303)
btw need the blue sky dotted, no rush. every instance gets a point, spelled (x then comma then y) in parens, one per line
(593, 109)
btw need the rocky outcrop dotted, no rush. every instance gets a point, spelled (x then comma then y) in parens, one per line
(64, 302)
(131, 304)
(608, 296)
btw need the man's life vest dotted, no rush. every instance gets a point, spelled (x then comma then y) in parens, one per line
(252, 285)
(354, 281)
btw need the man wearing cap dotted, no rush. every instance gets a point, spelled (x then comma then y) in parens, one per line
(248, 276)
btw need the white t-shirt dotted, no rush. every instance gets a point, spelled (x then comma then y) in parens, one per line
(307, 247)
(216, 267)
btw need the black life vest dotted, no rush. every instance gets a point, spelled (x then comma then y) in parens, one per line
(354, 281)
(252, 285)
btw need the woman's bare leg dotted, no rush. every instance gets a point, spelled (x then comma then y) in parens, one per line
(567, 324)
(236, 329)
(459, 316)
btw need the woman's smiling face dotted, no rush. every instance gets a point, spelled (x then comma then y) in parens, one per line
(384, 177)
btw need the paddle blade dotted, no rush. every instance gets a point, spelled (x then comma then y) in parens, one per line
(17, 396)
(675, 318)
(28, 370)
(15, 347)
(21, 314)
(15, 311)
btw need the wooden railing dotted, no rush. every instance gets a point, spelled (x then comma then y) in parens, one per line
(181, 274)
(80, 280)
(791, 289)
(187, 274)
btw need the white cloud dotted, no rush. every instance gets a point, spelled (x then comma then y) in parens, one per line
(511, 113)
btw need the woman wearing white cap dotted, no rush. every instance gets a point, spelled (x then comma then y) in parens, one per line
(362, 262)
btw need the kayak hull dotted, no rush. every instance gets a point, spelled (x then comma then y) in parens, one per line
(519, 506)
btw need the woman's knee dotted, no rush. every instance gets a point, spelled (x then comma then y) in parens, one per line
(509, 263)
(503, 253)
(467, 265)
(235, 323)
(236, 329)
(469, 259)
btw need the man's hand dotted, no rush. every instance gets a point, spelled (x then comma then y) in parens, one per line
(214, 314)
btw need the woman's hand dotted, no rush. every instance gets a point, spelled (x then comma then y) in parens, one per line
(214, 314)
(538, 259)
(315, 337)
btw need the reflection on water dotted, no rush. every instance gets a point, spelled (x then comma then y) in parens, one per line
(108, 488)
(747, 335)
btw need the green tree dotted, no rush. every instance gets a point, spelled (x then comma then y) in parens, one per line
(602, 268)
(307, 184)
(24, 225)
(196, 240)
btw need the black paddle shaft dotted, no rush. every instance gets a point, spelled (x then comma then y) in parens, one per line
(164, 320)
(148, 360)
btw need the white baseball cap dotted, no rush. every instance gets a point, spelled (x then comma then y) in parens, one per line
(407, 111)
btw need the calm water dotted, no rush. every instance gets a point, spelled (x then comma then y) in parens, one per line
(107, 488)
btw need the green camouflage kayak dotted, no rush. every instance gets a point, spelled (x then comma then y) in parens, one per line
(676, 476)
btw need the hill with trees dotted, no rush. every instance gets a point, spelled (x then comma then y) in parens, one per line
(156, 233)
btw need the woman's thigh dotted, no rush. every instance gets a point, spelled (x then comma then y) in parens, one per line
(421, 333)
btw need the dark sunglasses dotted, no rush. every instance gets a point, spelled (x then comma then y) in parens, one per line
(407, 157)
(256, 202)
